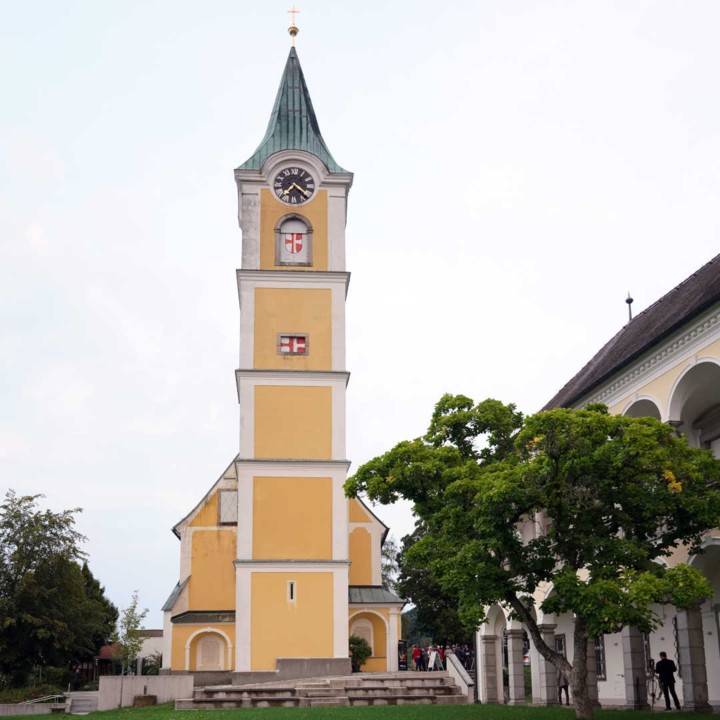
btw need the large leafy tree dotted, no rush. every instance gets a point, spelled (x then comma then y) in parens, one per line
(435, 615)
(47, 616)
(584, 501)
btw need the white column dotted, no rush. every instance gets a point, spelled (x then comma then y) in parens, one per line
(516, 671)
(167, 641)
(243, 578)
(691, 650)
(341, 613)
(487, 669)
(392, 651)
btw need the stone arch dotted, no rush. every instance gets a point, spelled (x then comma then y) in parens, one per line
(490, 656)
(694, 406)
(382, 653)
(708, 562)
(643, 407)
(208, 649)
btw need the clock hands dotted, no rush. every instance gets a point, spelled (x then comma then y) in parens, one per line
(297, 187)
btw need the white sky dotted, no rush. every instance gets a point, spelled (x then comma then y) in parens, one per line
(520, 165)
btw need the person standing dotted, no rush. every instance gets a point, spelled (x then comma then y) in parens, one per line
(562, 684)
(417, 657)
(666, 670)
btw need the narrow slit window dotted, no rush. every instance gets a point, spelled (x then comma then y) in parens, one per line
(291, 591)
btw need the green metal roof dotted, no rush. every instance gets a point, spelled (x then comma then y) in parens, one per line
(293, 125)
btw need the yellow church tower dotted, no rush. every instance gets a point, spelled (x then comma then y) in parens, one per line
(277, 566)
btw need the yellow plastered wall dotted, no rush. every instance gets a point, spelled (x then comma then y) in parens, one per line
(316, 212)
(292, 518)
(303, 311)
(378, 661)
(212, 573)
(360, 557)
(207, 515)
(357, 513)
(293, 422)
(180, 636)
(284, 628)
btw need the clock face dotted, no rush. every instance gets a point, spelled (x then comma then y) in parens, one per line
(294, 186)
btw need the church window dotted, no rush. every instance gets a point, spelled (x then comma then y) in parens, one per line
(600, 657)
(292, 344)
(560, 644)
(293, 241)
(227, 507)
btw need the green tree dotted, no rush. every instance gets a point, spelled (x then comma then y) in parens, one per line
(107, 612)
(46, 616)
(615, 495)
(435, 615)
(128, 638)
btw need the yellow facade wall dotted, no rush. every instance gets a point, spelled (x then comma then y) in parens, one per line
(292, 518)
(180, 636)
(304, 311)
(212, 573)
(360, 557)
(316, 212)
(290, 628)
(358, 514)
(293, 422)
(207, 515)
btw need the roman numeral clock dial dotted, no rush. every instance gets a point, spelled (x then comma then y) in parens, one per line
(294, 186)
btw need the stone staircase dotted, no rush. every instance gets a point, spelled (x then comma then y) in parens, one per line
(83, 702)
(404, 688)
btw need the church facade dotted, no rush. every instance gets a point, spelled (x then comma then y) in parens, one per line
(665, 363)
(276, 564)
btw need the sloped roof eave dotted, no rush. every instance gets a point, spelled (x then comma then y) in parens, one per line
(665, 316)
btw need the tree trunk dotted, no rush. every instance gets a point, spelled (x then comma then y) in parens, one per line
(577, 672)
(581, 697)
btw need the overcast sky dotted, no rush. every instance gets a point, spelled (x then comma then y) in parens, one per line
(520, 165)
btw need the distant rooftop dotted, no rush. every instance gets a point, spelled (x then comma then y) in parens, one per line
(684, 302)
(293, 124)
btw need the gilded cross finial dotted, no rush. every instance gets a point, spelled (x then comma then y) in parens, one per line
(293, 29)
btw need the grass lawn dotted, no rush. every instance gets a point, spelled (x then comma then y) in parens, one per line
(406, 712)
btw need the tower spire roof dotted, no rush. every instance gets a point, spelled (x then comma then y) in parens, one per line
(293, 124)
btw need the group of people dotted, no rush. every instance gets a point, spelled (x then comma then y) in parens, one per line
(424, 659)
(665, 670)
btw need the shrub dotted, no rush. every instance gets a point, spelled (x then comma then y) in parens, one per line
(360, 651)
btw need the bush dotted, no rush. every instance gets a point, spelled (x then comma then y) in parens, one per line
(31, 692)
(360, 651)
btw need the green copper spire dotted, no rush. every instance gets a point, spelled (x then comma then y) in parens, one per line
(293, 125)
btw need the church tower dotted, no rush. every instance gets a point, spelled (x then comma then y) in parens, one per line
(292, 549)
(277, 566)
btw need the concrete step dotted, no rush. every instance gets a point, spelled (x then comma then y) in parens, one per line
(360, 689)
(83, 702)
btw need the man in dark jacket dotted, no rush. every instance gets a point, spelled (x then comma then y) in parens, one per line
(666, 670)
